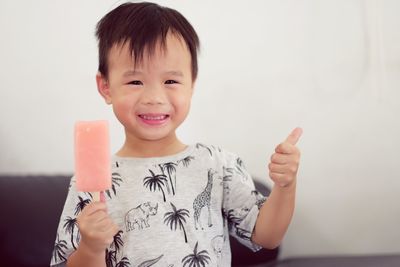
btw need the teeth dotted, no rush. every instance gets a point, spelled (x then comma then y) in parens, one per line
(155, 118)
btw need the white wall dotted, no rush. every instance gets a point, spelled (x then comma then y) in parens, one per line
(332, 67)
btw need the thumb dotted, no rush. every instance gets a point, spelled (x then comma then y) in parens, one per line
(294, 136)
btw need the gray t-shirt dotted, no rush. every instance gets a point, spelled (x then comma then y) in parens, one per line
(176, 210)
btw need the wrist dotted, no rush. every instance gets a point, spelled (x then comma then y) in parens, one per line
(90, 251)
(86, 256)
(288, 188)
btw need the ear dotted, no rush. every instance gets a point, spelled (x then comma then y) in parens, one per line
(103, 87)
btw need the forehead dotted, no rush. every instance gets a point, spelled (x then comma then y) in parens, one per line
(173, 51)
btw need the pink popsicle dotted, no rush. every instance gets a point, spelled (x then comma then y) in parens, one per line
(92, 157)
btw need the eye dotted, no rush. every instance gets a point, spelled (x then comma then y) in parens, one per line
(170, 82)
(135, 82)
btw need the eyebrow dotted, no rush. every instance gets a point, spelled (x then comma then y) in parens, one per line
(175, 73)
(131, 72)
(135, 72)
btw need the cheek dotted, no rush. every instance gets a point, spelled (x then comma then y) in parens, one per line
(123, 107)
(182, 101)
(182, 107)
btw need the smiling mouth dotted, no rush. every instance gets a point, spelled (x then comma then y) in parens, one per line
(149, 117)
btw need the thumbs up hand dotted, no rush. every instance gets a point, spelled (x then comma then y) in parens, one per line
(285, 161)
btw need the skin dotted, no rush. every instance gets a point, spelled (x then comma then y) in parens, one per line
(97, 232)
(151, 100)
(161, 86)
(276, 213)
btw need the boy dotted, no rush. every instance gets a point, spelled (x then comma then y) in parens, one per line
(170, 204)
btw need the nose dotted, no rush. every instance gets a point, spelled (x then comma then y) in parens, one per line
(153, 95)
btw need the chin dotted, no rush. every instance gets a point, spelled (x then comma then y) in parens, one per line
(155, 136)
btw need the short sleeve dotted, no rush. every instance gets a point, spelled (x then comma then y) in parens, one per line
(68, 237)
(241, 202)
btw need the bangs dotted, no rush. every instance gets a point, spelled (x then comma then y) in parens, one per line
(143, 26)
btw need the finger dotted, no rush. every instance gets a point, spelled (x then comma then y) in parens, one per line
(277, 168)
(94, 207)
(285, 148)
(92, 213)
(105, 225)
(98, 217)
(280, 158)
(294, 136)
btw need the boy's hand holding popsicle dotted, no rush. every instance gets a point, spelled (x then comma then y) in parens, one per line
(93, 175)
(96, 228)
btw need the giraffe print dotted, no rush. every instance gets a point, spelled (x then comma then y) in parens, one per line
(203, 200)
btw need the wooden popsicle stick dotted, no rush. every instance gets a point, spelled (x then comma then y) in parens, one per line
(95, 196)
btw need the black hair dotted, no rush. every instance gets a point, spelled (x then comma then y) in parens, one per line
(143, 25)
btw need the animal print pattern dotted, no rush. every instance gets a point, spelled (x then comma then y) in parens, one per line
(177, 199)
(217, 244)
(203, 200)
(139, 216)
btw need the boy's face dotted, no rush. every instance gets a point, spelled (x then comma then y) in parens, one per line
(152, 98)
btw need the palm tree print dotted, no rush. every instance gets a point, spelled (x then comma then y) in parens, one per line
(186, 161)
(197, 259)
(239, 162)
(111, 254)
(170, 168)
(111, 257)
(234, 221)
(117, 242)
(116, 180)
(226, 177)
(155, 181)
(89, 194)
(69, 225)
(81, 204)
(124, 262)
(176, 217)
(227, 172)
(58, 252)
(198, 145)
(234, 216)
(231, 217)
(260, 199)
(239, 168)
(163, 172)
(151, 262)
(243, 233)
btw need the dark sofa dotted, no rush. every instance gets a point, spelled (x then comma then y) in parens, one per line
(30, 207)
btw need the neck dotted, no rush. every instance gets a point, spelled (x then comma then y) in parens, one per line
(140, 148)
